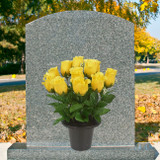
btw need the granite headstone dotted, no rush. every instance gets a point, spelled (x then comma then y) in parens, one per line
(61, 36)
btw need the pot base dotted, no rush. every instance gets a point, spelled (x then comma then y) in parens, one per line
(81, 135)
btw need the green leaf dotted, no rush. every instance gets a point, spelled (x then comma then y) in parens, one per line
(62, 109)
(66, 110)
(89, 91)
(101, 111)
(101, 104)
(94, 98)
(70, 97)
(79, 118)
(59, 106)
(73, 115)
(108, 98)
(87, 103)
(102, 93)
(97, 118)
(86, 113)
(62, 113)
(75, 107)
(86, 119)
(66, 118)
(58, 120)
(54, 104)
(60, 98)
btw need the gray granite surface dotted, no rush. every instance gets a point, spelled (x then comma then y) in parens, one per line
(142, 151)
(61, 36)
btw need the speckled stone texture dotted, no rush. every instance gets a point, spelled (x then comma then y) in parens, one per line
(61, 36)
(142, 151)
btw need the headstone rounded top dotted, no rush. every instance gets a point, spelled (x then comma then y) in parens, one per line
(94, 35)
(79, 14)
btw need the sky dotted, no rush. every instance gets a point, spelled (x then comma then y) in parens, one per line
(154, 27)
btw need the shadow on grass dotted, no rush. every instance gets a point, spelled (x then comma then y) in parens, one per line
(148, 78)
(147, 66)
(144, 130)
(12, 88)
(15, 128)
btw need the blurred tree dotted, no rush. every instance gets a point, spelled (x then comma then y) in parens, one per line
(12, 44)
(12, 31)
(145, 45)
(23, 11)
(8, 49)
(14, 14)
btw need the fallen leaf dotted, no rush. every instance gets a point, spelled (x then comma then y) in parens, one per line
(136, 96)
(12, 140)
(153, 111)
(142, 109)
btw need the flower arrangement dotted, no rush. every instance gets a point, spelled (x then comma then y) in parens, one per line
(81, 93)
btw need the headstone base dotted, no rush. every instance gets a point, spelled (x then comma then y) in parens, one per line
(141, 151)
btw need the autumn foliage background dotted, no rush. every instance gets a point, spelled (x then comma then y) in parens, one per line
(16, 13)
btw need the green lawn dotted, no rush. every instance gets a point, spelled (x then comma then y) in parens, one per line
(147, 91)
(12, 114)
(148, 84)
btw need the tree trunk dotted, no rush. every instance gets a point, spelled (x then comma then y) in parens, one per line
(22, 63)
(147, 58)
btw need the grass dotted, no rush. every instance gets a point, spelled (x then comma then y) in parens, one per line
(147, 94)
(148, 84)
(147, 125)
(147, 132)
(150, 65)
(18, 76)
(12, 114)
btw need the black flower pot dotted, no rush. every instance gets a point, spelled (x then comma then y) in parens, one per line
(81, 134)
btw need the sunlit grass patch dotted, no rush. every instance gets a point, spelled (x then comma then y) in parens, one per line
(18, 76)
(147, 84)
(12, 114)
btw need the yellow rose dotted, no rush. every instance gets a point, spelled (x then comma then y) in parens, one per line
(77, 61)
(48, 85)
(98, 81)
(110, 77)
(65, 67)
(54, 71)
(76, 72)
(91, 66)
(60, 85)
(111, 71)
(80, 85)
(48, 77)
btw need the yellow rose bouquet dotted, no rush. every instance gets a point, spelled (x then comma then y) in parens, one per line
(81, 92)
